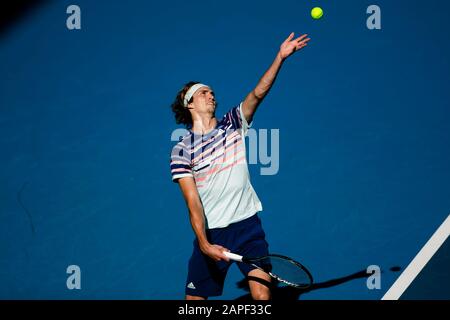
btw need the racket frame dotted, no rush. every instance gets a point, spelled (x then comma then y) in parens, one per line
(239, 258)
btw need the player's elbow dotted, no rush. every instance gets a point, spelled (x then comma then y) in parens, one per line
(258, 95)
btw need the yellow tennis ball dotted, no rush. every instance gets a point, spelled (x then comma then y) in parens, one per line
(317, 13)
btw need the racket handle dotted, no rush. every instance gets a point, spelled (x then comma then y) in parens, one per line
(233, 256)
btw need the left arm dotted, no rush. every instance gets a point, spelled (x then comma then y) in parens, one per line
(256, 96)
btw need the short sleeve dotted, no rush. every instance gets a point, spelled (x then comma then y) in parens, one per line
(180, 163)
(237, 119)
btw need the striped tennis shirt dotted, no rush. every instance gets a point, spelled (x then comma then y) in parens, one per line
(217, 162)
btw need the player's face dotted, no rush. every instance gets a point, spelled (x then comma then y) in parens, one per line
(204, 100)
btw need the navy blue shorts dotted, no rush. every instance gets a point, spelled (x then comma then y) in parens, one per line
(205, 276)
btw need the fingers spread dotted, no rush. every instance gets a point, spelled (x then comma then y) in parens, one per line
(304, 41)
(301, 37)
(300, 45)
(290, 37)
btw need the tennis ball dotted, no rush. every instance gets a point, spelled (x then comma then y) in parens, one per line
(317, 13)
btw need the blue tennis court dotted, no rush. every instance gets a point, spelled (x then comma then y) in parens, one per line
(359, 174)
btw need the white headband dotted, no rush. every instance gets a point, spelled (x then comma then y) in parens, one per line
(191, 92)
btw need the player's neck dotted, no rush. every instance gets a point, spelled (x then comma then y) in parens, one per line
(203, 124)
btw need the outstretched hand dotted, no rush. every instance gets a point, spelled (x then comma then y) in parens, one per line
(290, 46)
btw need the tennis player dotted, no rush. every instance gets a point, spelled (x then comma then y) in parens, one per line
(209, 164)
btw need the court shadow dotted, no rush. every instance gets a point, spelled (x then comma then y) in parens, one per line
(12, 12)
(286, 293)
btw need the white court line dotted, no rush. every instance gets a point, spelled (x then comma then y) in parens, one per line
(421, 259)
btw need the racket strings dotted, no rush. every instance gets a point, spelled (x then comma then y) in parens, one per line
(286, 271)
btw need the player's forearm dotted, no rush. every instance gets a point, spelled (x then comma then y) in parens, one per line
(197, 219)
(267, 80)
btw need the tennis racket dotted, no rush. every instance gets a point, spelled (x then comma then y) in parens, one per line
(281, 268)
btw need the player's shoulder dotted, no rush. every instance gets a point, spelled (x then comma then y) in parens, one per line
(183, 140)
(232, 114)
(231, 119)
(234, 110)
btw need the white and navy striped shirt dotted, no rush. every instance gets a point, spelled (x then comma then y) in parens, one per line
(217, 162)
